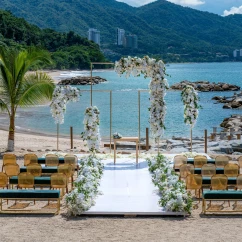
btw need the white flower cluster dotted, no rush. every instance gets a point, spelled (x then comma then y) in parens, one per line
(174, 196)
(82, 197)
(158, 85)
(190, 100)
(91, 132)
(61, 96)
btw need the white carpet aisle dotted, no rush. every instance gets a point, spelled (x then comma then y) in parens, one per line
(127, 189)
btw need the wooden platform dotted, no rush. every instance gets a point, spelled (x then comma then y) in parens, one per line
(127, 189)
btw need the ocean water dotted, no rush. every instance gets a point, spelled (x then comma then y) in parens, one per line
(125, 103)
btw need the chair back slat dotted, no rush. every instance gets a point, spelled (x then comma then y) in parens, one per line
(194, 181)
(30, 159)
(186, 169)
(34, 169)
(11, 169)
(208, 170)
(3, 180)
(221, 160)
(25, 180)
(200, 160)
(231, 170)
(179, 160)
(219, 182)
(51, 160)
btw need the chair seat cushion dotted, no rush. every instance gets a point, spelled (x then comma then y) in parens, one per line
(14, 193)
(207, 180)
(42, 180)
(220, 194)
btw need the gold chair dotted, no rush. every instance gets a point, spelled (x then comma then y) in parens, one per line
(9, 159)
(34, 169)
(51, 160)
(239, 182)
(3, 180)
(231, 170)
(59, 181)
(30, 159)
(67, 170)
(179, 160)
(219, 182)
(194, 182)
(25, 180)
(221, 160)
(11, 169)
(186, 169)
(208, 170)
(200, 160)
(71, 160)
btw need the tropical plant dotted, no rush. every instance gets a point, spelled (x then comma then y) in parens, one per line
(17, 87)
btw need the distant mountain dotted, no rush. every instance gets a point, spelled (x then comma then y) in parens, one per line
(176, 33)
(68, 50)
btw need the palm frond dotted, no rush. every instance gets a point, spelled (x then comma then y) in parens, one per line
(37, 89)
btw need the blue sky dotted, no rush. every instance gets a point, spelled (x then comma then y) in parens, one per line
(221, 7)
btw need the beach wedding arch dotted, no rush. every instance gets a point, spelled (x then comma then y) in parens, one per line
(61, 96)
(155, 69)
(190, 100)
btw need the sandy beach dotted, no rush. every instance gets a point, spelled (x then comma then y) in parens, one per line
(196, 227)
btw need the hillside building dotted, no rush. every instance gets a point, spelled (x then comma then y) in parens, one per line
(94, 35)
(237, 53)
(131, 41)
(120, 36)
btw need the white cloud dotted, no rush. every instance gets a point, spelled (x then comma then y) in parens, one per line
(137, 3)
(233, 10)
(187, 2)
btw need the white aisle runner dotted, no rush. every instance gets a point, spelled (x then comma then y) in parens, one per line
(127, 188)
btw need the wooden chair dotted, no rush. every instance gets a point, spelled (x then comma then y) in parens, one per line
(231, 170)
(208, 170)
(67, 170)
(186, 169)
(239, 182)
(34, 169)
(59, 181)
(11, 169)
(194, 182)
(3, 180)
(179, 160)
(71, 160)
(25, 180)
(30, 159)
(200, 160)
(9, 159)
(51, 160)
(221, 160)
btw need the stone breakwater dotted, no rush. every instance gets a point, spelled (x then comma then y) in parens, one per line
(82, 80)
(233, 102)
(206, 86)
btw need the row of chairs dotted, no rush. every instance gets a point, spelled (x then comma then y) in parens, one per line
(50, 159)
(208, 170)
(200, 160)
(26, 180)
(218, 182)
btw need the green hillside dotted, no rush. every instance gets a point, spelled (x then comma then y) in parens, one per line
(164, 29)
(69, 50)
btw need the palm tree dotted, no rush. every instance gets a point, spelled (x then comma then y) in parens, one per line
(17, 87)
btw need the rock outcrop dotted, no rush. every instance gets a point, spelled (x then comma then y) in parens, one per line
(206, 86)
(82, 80)
(233, 102)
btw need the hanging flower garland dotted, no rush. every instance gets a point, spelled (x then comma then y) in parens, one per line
(82, 197)
(190, 100)
(61, 96)
(174, 196)
(91, 132)
(158, 85)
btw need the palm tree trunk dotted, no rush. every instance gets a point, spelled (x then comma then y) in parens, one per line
(11, 132)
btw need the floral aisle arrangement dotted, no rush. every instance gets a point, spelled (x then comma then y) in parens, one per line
(91, 132)
(61, 96)
(82, 197)
(174, 196)
(190, 100)
(156, 71)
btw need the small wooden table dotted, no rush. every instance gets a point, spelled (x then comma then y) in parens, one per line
(128, 139)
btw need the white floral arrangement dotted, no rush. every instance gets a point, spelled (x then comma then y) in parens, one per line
(61, 96)
(91, 132)
(117, 135)
(190, 154)
(174, 196)
(190, 100)
(158, 86)
(82, 197)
